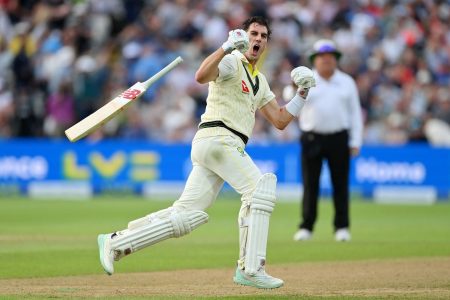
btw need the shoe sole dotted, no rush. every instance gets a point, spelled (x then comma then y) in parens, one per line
(245, 282)
(101, 245)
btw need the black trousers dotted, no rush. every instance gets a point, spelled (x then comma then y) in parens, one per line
(335, 150)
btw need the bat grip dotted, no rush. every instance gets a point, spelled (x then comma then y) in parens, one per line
(163, 72)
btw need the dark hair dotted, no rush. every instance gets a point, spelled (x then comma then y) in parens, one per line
(260, 20)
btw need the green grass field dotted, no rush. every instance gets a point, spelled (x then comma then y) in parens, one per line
(58, 238)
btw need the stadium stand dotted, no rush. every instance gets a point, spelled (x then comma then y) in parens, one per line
(60, 60)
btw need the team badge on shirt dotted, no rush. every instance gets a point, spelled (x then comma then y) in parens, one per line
(244, 87)
(241, 151)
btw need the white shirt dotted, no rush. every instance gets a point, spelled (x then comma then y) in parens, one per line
(333, 105)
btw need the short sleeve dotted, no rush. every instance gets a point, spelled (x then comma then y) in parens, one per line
(267, 95)
(227, 68)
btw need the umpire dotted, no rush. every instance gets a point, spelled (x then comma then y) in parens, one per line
(331, 125)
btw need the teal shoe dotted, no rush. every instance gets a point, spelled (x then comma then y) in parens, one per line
(106, 254)
(260, 280)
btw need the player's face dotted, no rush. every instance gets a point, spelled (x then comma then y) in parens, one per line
(257, 35)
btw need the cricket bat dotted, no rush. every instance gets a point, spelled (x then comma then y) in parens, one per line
(116, 105)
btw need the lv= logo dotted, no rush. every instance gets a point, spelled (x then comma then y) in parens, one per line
(244, 87)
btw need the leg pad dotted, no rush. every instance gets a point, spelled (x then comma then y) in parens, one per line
(261, 208)
(156, 227)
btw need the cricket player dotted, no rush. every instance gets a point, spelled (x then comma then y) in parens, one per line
(236, 90)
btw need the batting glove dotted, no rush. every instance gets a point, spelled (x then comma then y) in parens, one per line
(237, 39)
(303, 77)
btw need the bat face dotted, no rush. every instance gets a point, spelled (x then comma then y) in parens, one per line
(105, 113)
(112, 108)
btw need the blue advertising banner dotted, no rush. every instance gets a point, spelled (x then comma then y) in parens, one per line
(106, 165)
(406, 166)
(126, 166)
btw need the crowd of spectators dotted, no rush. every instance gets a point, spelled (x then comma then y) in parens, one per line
(60, 60)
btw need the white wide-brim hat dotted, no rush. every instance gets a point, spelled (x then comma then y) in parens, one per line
(324, 46)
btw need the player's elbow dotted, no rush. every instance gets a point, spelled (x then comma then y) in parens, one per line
(201, 77)
(280, 125)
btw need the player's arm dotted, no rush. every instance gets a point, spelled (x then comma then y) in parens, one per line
(209, 68)
(280, 117)
(276, 115)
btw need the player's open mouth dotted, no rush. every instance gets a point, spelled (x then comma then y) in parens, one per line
(255, 49)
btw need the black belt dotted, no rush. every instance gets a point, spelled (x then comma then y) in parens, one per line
(243, 137)
(334, 133)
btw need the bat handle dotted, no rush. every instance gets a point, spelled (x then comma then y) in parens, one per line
(163, 72)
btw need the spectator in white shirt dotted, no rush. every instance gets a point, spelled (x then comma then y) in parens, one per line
(332, 131)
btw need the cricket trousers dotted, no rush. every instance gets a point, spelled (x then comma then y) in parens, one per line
(216, 159)
(219, 156)
(317, 148)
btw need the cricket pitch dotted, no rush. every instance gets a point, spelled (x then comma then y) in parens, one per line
(418, 278)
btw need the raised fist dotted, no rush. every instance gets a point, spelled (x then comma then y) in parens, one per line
(237, 39)
(303, 77)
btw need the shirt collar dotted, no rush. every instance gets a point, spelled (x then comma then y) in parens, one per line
(253, 71)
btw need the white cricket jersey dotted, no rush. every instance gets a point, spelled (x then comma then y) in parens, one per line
(234, 96)
(333, 105)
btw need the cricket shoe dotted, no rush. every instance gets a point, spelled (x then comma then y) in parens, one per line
(260, 280)
(342, 235)
(106, 253)
(303, 235)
